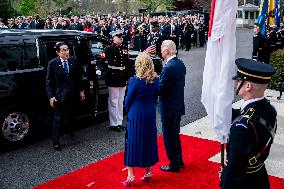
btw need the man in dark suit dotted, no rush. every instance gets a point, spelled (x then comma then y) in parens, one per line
(21, 24)
(171, 104)
(76, 25)
(64, 90)
(252, 131)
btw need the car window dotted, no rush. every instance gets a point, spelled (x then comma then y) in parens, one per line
(11, 57)
(97, 47)
(51, 52)
(30, 57)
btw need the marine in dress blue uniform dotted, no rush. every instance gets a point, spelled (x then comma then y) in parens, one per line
(117, 76)
(252, 131)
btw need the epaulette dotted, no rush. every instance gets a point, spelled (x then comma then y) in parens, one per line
(248, 114)
(244, 119)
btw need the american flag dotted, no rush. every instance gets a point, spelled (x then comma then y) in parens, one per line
(151, 49)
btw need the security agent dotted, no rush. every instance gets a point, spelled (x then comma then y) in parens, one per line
(117, 57)
(252, 131)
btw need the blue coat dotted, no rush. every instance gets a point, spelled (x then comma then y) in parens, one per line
(171, 89)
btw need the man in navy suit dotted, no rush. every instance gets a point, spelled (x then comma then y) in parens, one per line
(171, 104)
(64, 90)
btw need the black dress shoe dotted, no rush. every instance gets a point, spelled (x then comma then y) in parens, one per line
(57, 147)
(170, 169)
(115, 128)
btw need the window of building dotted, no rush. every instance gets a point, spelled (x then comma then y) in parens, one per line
(251, 16)
(240, 14)
(246, 14)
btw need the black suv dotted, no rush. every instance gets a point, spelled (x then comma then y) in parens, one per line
(24, 55)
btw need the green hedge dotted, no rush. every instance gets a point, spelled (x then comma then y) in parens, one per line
(277, 61)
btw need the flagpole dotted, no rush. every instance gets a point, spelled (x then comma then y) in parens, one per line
(222, 156)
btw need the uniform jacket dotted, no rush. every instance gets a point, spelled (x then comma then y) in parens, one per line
(61, 86)
(171, 89)
(247, 138)
(117, 57)
(258, 46)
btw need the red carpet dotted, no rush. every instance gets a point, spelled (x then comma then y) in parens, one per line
(199, 173)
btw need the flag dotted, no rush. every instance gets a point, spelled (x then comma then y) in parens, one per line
(151, 49)
(271, 13)
(263, 14)
(277, 13)
(218, 86)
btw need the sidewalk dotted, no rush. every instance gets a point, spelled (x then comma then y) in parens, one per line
(202, 128)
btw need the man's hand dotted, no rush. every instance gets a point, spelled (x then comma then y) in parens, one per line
(52, 102)
(82, 95)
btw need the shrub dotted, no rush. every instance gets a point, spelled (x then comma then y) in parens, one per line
(277, 61)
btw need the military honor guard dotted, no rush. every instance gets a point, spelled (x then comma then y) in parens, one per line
(252, 131)
(117, 57)
(154, 38)
(259, 43)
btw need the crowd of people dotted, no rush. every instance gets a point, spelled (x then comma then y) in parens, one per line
(187, 30)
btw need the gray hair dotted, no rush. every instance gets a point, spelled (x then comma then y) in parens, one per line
(170, 45)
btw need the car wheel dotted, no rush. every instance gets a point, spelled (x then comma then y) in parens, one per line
(16, 126)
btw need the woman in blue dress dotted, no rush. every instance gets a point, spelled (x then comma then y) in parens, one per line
(141, 149)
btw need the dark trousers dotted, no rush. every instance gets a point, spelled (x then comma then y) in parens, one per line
(187, 41)
(171, 130)
(63, 111)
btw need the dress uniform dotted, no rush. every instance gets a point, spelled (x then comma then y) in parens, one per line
(252, 132)
(188, 31)
(117, 57)
(201, 34)
(154, 38)
(260, 51)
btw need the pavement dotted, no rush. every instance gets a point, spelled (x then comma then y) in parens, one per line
(202, 128)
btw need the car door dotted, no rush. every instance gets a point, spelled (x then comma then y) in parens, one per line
(99, 64)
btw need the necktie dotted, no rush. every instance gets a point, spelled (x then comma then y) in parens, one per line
(65, 67)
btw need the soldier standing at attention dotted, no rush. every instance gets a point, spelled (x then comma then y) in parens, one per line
(252, 131)
(154, 38)
(118, 60)
(258, 52)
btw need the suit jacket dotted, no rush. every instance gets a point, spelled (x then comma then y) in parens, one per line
(171, 89)
(248, 136)
(77, 26)
(63, 86)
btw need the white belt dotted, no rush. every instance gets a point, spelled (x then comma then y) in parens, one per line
(116, 68)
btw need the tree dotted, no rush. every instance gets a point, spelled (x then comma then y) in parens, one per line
(27, 7)
(152, 5)
(6, 9)
(61, 3)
